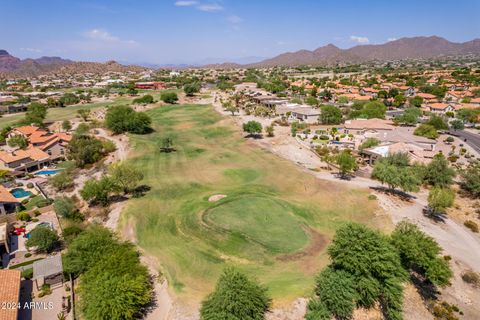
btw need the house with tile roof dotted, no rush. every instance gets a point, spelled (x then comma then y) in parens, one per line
(9, 293)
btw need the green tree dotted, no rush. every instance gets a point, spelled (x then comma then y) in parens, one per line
(409, 117)
(117, 287)
(61, 181)
(98, 191)
(471, 179)
(253, 128)
(373, 109)
(427, 131)
(438, 122)
(69, 99)
(236, 297)
(270, 130)
(114, 283)
(395, 171)
(438, 173)
(146, 99)
(369, 143)
(125, 175)
(84, 150)
(311, 101)
(346, 162)
(439, 199)
(457, 124)
(416, 101)
(365, 268)
(230, 107)
(335, 291)
(191, 88)
(169, 97)
(399, 100)
(417, 250)
(330, 115)
(43, 239)
(18, 141)
(122, 119)
(66, 125)
(36, 114)
(88, 248)
(84, 114)
(65, 208)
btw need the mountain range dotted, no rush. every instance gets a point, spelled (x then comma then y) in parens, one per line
(404, 48)
(14, 67)
(401, 49)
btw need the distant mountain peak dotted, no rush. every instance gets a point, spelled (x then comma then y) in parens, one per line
(403, 48)
(4, 53)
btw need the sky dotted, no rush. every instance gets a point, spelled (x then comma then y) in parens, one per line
(205, 31)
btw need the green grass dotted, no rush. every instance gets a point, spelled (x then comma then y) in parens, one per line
(265, 224)
(258, 221)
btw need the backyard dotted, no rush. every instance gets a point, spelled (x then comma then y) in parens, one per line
(274, 223)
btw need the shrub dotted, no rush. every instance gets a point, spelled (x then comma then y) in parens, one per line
(471, 277)
(23, 216)
(146, 99)
(472, 225)
(27, 274)
(169, 97)
(372, 197)
(29, 185)
(28, 255)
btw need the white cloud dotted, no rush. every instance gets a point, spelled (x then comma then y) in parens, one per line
(359, 39)
(31, 50)
(391, 39)
(234, 19)
(185, 3)
(101, 35)
(210, 7)
(281, 43)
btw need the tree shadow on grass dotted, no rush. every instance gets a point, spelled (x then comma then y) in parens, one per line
(141, 191)
(395, 192)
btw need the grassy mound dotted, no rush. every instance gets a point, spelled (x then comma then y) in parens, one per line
(259, 221)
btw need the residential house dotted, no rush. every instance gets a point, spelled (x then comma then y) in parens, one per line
(9, 293)
(48, 271)
(4, 238)
(150, 85)
(369, 92)
(8, 203)
(440, 108)
(306, 114)
(27, 160)
(415, 153)
(407, 90)
(361, 126)
(427, 97)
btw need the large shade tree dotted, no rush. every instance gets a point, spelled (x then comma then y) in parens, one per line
(236, 297)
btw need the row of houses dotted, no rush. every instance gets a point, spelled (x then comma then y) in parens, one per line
(43, 148)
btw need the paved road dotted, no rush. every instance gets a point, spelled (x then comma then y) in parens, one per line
(473, 139)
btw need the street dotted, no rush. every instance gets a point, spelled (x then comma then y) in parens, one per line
(473, 139)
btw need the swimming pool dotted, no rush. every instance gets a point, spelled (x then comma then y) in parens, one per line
(47, 172)
(20, 193)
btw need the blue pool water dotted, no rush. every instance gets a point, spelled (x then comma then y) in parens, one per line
(47, 172)
(20, 193)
